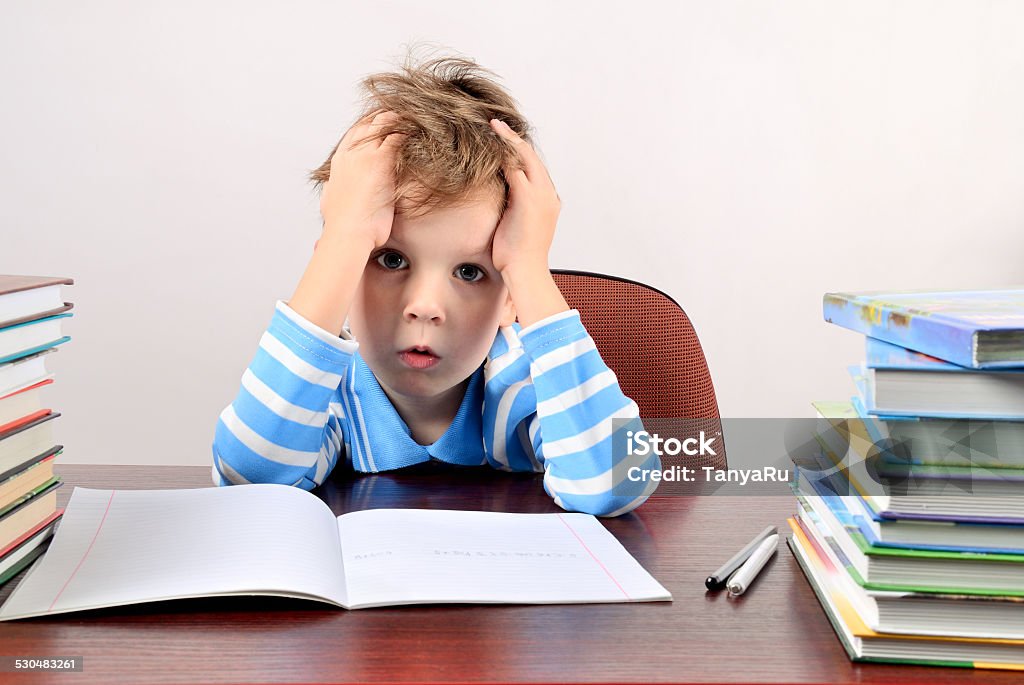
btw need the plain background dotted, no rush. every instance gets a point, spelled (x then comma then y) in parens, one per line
(745, 157)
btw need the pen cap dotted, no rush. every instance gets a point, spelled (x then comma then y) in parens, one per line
(719, 579)
(744, 576)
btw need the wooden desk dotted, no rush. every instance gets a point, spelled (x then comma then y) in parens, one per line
(776, 632)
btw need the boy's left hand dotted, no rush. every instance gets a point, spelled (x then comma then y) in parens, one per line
(523, 237)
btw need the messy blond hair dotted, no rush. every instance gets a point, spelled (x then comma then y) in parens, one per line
(451, 155)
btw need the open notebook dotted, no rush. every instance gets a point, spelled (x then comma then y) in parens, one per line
(118, 547)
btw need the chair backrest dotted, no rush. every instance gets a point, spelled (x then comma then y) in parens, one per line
(645, 337)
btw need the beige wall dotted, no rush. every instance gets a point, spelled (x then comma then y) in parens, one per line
(743, 156)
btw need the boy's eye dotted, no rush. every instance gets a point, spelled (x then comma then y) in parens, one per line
(469, 272)
(391, 260)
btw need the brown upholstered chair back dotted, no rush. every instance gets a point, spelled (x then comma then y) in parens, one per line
(646, 338)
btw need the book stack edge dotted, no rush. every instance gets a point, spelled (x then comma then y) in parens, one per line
(911, 528)
(32, 315)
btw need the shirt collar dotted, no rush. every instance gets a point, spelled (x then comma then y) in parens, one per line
(391, 439)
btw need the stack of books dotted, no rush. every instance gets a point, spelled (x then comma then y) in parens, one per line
(32, 313)
(911, 528)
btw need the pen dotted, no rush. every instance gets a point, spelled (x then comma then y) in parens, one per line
(740, 581)
(718, 579)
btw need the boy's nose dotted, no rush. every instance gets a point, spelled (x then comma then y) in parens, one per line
(424, 304)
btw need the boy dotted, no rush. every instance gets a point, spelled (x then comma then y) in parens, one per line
(438, 217)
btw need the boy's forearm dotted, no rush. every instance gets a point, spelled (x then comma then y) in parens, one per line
(325, 292)
(258, 437)
(573, 434)
(534, 293)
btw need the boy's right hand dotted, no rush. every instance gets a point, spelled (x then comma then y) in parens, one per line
(357, 199)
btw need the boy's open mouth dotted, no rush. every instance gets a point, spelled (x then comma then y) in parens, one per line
(419, 357)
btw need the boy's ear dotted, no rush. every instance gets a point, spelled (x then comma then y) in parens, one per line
(508, 311)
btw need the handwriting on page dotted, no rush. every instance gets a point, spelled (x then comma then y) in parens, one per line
(505, 553)
(440, 556)
(363, 556)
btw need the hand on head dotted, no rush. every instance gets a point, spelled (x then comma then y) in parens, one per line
(525, 232)
(358, 197)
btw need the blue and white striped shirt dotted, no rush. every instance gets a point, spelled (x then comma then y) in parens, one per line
(542, 401)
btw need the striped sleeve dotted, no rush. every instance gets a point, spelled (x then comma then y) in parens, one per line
(509, 402)
(286, 425)
(573, 399)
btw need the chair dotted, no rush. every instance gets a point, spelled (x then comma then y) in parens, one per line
(645, 337)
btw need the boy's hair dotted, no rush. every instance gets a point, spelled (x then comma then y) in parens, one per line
(451, 154)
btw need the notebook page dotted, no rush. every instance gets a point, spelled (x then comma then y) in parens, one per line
(405, 556)
(127, 546)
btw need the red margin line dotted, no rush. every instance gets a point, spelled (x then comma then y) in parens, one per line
(91, 543)
(594, 557)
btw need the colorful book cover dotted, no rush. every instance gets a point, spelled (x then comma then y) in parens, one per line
(19, 354)
(28, 479)
(33, 386)
(44, 489)
(850, 545)
(979, 329)
(858, 638)
(24, 372)
(15, 309)
(24, 420)
(879, 354)
(54, 451)
(14, 544)
(870, 544)
(31, 424)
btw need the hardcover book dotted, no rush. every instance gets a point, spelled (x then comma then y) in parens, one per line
(26, 371)
(16, 556)
(950, 534)
(919, 613)
(26, 441)
(915, 570)
(863, 643)
(980, 329)
(26, 298)
(23, 406)
(903, 382)
(992, 449)
(27, 338)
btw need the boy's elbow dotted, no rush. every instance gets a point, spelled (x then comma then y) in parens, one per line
(615, 501)
(218, 480)
(607, 507)
(233, 464)
(223, 473)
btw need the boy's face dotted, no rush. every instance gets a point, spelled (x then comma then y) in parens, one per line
(430, 302)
